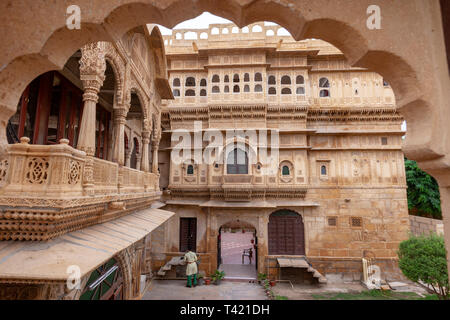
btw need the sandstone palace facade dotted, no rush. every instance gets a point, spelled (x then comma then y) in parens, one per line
(336, 193)
(79, 186)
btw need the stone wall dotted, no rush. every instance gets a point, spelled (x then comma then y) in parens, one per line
(422, 225)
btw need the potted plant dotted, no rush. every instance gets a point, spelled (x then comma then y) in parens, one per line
(207, 281)
(261, 277)
(272, 283)
(217, 277)
(200, 279)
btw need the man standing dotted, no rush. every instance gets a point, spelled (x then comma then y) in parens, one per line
(191, 268)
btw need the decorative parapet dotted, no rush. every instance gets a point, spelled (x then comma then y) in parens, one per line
(42, 194)
(38, 170)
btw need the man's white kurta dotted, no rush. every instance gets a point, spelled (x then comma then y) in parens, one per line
(190, 259)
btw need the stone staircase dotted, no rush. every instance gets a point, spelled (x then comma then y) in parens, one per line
(302, 263)
(175, 261)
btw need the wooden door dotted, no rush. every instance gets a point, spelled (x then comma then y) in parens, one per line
(188, 234)
(286, 233)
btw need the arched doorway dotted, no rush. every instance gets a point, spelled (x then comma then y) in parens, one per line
(286, 233)
(237, 253)
(105, 283)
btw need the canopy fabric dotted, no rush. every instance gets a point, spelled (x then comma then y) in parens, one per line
(87, 248)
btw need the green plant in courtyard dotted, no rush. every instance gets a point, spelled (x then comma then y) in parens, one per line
(217, 276)
(262, 276)
(423, 259)
(423, 192)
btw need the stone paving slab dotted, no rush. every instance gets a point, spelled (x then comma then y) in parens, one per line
(227, 290)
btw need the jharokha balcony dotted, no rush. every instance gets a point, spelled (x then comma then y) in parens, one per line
(49, 190)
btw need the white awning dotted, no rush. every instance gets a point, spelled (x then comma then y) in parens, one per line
(87, 248)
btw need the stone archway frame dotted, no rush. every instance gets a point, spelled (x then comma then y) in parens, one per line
(411, 57)
(237, 142)
(117, 64)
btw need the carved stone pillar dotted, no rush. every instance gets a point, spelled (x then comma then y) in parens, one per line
(145, 143)
(128, 158)
(92, 75)
(155, 147)
(138, 161)
(120, 115)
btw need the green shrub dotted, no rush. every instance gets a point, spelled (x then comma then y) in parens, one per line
(262, 276)
(423, 192)
(424, 259)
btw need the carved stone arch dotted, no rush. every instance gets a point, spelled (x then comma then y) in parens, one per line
(135, 88)
(118, 66)
(125, 259)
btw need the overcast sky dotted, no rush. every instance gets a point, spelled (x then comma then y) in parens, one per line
(200, 22)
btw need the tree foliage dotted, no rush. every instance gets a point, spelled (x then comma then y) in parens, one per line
(423, 192)
(424, 259)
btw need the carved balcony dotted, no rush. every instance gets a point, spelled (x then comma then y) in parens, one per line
(42, 191)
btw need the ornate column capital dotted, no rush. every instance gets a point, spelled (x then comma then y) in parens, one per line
(92, 70)
(145, 137)
(120, 115)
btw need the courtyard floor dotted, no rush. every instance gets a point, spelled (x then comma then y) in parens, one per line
(232, 290)
(227, 290)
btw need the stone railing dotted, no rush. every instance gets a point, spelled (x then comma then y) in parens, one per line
(105, 176)
(43, 191)
(137, 181)
(39, 170)
(237, 179)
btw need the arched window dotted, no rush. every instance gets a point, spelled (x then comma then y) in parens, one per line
(246, 77)
(385, 83)
(176, 82)
(258, 76)
(189, 93)
(272, 80)
(324, 83)
(215, 30)
(257, 29)
(237, 162)
(226, 89)
(258, 88)
(176, 93)
(272, 90)
(236, 89)
(285, 171)
(285, 80)
(286, 91)
(323, 170)
(300, 90)
(246, 88)
(190, 169)
(215, 78)
(203, 93)
(236, 78)
(215, 89)
(299, 80)
(324, 93)
(190, 82)
(226, 79)
(203, 83)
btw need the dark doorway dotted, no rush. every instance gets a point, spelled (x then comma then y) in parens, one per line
(286, 233)
(188, 234)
